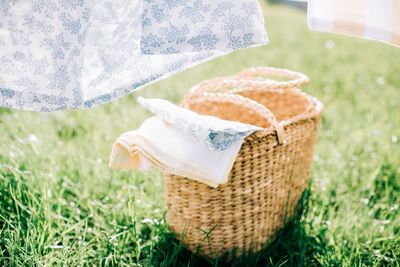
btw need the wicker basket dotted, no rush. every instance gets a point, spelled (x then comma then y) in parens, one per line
(271, 170)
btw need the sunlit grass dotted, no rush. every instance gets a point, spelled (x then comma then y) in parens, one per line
(61, 204)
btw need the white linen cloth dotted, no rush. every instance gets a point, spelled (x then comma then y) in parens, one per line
(81, 53)
(216, 133)
(373, 19)
(182, 142)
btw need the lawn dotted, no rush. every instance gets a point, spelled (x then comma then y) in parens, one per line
(61, 205)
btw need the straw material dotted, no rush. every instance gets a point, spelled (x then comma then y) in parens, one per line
(271, 170)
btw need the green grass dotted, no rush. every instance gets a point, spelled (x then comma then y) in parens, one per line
(61, 205)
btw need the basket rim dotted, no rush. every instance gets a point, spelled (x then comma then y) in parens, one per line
(314, 108)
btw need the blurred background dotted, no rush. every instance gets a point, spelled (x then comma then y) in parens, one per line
(61, 205)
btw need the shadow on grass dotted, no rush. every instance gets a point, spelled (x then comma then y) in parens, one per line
(292, 247)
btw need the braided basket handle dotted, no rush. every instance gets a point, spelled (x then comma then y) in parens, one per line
(241, 101)
(247, 80)
(252, 79)
(296, 79)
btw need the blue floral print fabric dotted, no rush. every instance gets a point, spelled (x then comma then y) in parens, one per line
(60, 54)
(216, 133)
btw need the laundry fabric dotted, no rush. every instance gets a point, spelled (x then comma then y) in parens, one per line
(216, 133)
(373, 19)
(81, 53)
(182, 142)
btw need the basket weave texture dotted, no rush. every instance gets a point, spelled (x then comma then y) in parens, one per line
(270, 172)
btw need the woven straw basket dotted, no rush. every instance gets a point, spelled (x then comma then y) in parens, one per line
(271, 170)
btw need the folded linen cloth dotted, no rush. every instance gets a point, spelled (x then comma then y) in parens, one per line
(217, 134)
(181, 142)
(371, 19)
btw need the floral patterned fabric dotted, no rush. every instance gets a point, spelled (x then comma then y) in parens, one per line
(81, 53)
(215, 133)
